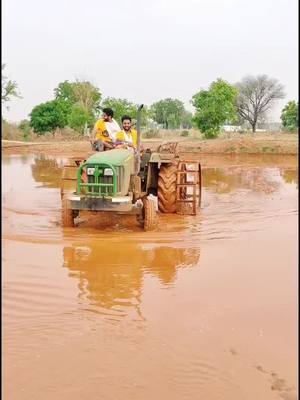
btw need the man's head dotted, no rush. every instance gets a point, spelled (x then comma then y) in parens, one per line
(107, 114)
(126, 122)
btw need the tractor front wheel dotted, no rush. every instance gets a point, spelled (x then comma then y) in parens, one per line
(149, 214)
(67, 214)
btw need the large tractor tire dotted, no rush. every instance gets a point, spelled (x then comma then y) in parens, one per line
(149, 214)
(67, 214)
(166, 192)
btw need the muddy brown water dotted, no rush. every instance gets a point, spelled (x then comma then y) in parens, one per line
(203, 308)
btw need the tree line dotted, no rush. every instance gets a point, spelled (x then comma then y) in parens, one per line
(78, 104)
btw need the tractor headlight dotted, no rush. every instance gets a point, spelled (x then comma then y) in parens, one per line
(108, 172)
(90, 171)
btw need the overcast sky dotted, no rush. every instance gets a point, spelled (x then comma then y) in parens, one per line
(146, 50)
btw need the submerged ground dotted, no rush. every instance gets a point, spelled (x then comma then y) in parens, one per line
(204, 307)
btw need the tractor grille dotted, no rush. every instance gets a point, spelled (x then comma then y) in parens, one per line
(106, 190)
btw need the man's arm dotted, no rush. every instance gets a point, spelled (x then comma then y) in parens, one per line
(93, 136)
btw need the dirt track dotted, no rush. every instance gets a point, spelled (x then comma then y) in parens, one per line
(246, 144)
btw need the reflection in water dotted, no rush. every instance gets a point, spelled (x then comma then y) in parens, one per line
(218, 178)
(111, 274)
(290, 176)
(47, 171)
(132, 315)
(231, 179)
(24, 159)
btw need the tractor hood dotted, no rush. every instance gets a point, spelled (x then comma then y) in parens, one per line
(117, 157)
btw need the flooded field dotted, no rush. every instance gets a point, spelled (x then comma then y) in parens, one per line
(203, 308)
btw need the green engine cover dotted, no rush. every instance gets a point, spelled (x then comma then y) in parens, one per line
(117, 158)
(121, 161)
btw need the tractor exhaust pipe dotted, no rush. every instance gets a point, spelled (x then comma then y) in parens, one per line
(138, 129)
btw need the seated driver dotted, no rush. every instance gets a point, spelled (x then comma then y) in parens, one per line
(127, 137)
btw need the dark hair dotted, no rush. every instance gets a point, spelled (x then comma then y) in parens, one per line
(126, 117)
(108, 111)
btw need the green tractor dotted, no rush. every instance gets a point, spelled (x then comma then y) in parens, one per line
(123, 182)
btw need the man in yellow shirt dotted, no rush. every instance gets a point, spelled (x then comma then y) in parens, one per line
(105, 131)
(127, 137)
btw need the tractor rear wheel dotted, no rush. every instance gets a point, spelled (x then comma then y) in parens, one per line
(67, 214)
(149, 214)
(166, 192)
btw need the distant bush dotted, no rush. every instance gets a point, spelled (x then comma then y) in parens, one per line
(24, 126)
(21, 132)
(11, 131)
(151, 134)
(184, 133)
(62, 135)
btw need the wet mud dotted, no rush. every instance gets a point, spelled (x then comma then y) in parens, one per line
(203, 307)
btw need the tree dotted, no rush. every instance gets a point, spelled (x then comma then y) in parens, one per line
(9, 88)
(289, 116)
(214, 107)
(83, 100)
(79, 118)
(49, 116)
(187, 120)
(122, 107)
(256, 96)
(81, 93)
(168, 112)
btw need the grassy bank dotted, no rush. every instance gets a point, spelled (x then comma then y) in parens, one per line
(68, 142)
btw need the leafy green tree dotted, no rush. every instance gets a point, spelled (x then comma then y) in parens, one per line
(168, 112)
(257, 95)
(49, 116)
(289, 116)
(79, 118)
(122, 107)
(81, 93)
(9, 88)
(214, 107)
(65, 91)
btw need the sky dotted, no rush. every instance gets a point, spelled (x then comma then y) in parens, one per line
(146, 50)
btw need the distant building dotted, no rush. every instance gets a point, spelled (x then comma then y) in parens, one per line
(261, 127)
(231, 128)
